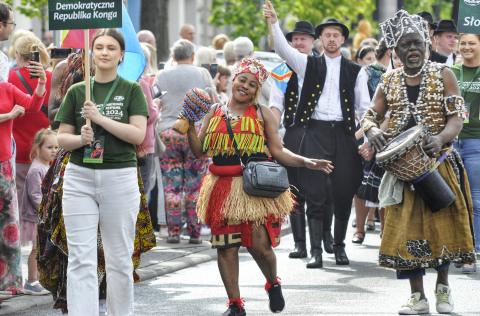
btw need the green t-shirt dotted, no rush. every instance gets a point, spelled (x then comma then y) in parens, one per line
(471, 93)
(126, 100)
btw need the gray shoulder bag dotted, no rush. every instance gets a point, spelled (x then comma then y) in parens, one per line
(262, 178)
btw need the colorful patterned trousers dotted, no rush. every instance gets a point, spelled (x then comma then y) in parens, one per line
(182, 174)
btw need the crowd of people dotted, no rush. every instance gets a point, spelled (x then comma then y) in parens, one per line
(86, 182)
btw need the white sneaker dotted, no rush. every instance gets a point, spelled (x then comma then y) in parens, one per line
(444, 299)
(34, 288)
(415, 306)
(102, 307)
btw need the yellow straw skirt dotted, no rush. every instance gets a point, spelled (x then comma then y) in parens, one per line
(223, 201)
(415, 237)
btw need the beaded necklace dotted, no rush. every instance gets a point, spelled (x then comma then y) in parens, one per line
(415, 74)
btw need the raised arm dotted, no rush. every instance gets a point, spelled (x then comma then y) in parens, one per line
(296, 60)
(196, 140)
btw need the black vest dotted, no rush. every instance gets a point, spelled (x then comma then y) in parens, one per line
(313, 84)
(290, 100)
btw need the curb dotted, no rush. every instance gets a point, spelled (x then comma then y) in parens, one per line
(26, 302)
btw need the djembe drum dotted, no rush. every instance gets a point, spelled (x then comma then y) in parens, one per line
(196, 105)
(405, 158)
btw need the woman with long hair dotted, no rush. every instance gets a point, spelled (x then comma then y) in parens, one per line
(236, 218)
(468, 143)
(102, 192)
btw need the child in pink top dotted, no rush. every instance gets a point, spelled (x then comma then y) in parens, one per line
(43, 152)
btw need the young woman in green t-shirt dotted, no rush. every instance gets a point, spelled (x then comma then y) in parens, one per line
(102, 190)
(468, 144)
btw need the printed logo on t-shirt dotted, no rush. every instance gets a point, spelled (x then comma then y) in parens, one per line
(114, 110)
(119, 98)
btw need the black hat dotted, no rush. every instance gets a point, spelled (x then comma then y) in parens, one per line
(427, 16)
(331, 22)
(445, 26)
(304, 27)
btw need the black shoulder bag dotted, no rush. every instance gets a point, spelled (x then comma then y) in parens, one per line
(260, 178)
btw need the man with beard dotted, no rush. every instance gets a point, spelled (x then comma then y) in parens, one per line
(334, 95)
(284, 101)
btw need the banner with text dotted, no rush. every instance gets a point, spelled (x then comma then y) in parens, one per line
(84, 14)
(468, 16)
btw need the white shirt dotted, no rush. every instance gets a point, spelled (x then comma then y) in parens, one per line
(450, 60)
(328, 107)
(4, 67)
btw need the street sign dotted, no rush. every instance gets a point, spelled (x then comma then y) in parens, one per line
(84, 14)
(468, 16)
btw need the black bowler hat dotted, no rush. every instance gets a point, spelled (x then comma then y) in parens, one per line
(303, 27)
(427, 16)
(331, 22)
(445, 26)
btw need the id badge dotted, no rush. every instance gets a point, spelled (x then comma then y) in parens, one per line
(467, 113)
(94, 152)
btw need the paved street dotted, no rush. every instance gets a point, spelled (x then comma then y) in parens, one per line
(359, 289)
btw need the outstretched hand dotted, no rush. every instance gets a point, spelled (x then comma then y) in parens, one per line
(269, 12)
(319, 164)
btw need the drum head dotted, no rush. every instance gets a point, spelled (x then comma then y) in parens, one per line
(400, 143)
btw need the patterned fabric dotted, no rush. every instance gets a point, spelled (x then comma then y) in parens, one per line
(247, 130)
(372, 177)
(374, 73)
(252, 66)
(403, 23)
(52, 239)
(182, 174)
(415, 237)
(10, 255)
(430, 110)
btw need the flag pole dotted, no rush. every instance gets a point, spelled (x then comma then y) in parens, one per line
(87, 68)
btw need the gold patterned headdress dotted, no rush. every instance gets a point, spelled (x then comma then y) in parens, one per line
(403, 23)
(252, 66)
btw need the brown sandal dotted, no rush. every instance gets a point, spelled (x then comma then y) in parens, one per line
(358, 238)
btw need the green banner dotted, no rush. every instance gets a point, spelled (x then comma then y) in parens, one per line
(84, 14)
(469, 16)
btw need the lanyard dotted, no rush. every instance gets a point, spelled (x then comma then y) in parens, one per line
(109, 94)
(475, 75)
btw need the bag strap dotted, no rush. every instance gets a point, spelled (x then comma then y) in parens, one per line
(232, 138)
(24, 82)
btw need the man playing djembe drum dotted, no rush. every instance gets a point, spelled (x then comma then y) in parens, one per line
(415, 237)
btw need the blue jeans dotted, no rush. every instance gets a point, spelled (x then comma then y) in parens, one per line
(469, 149)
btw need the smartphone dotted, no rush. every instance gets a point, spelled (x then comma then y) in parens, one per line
(34, 56)
(60, 53)
(213, 70)
(156, 91)
(161, 65)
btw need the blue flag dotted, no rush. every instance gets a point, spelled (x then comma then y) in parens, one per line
(134, 62)
(281, 75)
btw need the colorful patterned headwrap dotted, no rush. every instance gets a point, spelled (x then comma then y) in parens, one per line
(252, 66)
(403, 23)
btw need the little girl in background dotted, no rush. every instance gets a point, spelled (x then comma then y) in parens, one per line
(44, 149)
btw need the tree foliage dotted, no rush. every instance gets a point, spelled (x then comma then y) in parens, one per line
(246, 19)
(441, 9)
(30, 8)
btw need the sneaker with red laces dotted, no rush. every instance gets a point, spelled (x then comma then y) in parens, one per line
(275, 296)
(235, 307)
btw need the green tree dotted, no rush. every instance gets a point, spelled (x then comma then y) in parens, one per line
(31, 8)
(441, 9)
(246, 19)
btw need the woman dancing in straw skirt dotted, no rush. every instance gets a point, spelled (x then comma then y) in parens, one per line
(236, 218)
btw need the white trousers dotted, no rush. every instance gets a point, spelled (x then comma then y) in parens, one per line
(110, 199)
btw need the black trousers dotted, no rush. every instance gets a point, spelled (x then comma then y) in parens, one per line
(334, 192)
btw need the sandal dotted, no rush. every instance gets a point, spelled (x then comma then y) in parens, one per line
(358, 238)
(370, 226)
